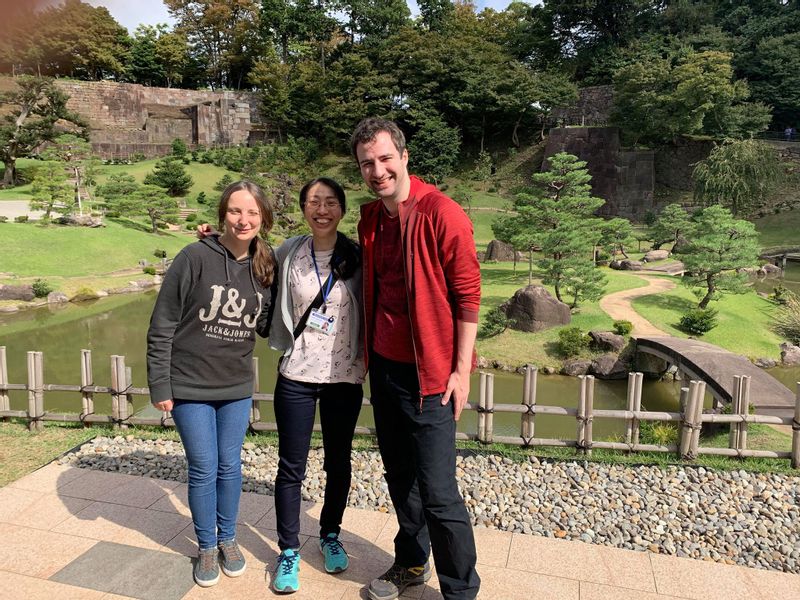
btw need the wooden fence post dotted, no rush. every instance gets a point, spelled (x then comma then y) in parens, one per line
(688, 399)
(482, 407)
(684, 424)
(744, 410)
(796, 431)
(589, 414)
(629, 406)
(35, 391)
(529, 399)
(123, 398)
(581, 413)
(637, 404)
(700, 392)
(5, 402)
(116, 380)
(733, 436)
(87, 379)
(255, 413)
(489, 408)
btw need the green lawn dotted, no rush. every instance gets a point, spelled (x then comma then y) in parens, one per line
(516, 347)
(744, 320)
(33, 250)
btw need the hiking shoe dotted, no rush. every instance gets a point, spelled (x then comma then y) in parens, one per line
(392, 583)
(334, 554)
(233, 563)
(284, 580)
(206, 568)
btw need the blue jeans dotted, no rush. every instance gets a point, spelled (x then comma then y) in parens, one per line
(295, 407)
(212, 434)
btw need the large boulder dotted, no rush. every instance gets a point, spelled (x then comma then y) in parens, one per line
(656, 255)
(790, 354)
(497, 250)
(770, 270)
(80, 221)
(532, 308)
(680, 246)
(607, 341)
(626, 265)
(17, 292)
(57, 298)
(575, 367)
(609, 366)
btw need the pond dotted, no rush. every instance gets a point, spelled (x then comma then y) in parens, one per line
(118, 325)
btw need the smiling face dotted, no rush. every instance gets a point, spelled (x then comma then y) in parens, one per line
(322, 210)
(384, 168)
(242, 217)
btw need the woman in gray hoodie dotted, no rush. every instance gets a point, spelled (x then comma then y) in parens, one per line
(216, 296)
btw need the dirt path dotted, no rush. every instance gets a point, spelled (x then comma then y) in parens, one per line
(618, 305)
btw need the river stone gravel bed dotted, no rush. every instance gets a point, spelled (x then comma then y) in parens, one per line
(735, 517)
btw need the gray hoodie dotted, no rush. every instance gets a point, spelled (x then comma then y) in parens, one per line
(202, 331)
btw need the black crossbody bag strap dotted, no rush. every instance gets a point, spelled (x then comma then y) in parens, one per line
(301, 324)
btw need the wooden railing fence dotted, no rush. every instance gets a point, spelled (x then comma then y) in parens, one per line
(690, 420)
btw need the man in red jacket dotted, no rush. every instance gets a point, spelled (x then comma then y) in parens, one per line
(421, 299)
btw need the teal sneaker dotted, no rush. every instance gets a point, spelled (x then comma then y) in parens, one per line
(232, 559)
(284, 579)
(332, 550)
(206, 568)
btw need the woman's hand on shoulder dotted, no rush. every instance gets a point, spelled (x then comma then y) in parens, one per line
(165, 405)
(204, 230)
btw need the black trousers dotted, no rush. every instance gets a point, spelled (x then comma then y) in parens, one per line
(417, 444)
(295, 409)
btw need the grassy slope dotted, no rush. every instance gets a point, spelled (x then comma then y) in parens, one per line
(517, 347)
(33, 250)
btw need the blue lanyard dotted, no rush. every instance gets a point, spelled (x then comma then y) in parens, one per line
(325, 292)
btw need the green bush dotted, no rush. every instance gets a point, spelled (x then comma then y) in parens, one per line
(571, 341)
(27, 173)
(179, 148)
(84, 293)
(623, 327)
(699, 321)
(787, 319)
(134, 158)
(495, 323)
(201, 198)
(226, 180)
(656, 432)
(191, 217)
(3, 218)
(41, 288)
(149, 270)
(159, 253)
(21, 219)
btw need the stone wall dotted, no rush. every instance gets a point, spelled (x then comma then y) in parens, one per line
(675, 163)
(126, 118)
(593, 107)
(623, 178)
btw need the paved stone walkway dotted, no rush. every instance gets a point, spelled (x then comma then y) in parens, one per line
(78, 534)
(618, 305)
(15, 208)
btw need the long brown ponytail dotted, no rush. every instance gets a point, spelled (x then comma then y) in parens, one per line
(263, 259)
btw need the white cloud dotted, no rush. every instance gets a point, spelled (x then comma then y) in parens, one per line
(130, 14)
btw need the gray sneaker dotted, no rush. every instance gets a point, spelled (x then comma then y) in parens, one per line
(392, 583)
(233, 563)
(206, 568)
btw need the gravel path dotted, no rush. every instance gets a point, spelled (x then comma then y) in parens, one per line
(618, 305)
(736, 517)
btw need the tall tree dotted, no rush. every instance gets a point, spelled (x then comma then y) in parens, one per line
(51, 191)
(75, 153)
(130, 199)
(29, 120)
(170, 174)
(721, 245)
(672, 224)
(144, 65)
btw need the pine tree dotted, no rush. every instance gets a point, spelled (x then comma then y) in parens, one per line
(170, 174)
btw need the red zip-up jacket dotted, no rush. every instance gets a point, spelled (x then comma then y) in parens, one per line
(442, 275)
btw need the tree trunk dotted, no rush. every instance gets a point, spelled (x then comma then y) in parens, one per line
(557, 290)
(710, 293)
(530, 267)
(154, 223)
(10, 173)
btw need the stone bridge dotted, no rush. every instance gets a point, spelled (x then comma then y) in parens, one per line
(717, 367)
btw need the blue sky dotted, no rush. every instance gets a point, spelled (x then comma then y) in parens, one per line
(130, 14)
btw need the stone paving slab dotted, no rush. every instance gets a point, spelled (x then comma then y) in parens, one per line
(67, 533)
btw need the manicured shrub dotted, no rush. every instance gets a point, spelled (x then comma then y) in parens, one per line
(21, 219)
(159, 253)
(623, 327)
(41, 288)
(191, 217)
(179, 148)
(699, 321)
(495, 323)
(571, 341)
(149, 270)
(201, 198)
(3, 219)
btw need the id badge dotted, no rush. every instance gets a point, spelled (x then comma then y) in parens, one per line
(321, 322)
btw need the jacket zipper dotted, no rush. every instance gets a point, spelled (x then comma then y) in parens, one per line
(408, 300)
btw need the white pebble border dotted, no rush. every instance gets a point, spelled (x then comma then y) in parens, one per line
(734, 517)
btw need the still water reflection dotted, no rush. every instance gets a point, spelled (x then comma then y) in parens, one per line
(118, 325)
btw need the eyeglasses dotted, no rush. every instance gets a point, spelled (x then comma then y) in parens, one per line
(329, 204)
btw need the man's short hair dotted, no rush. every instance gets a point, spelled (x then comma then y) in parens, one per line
(368, 129)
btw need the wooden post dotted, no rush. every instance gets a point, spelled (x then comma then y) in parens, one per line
(796, 431)
(489, 408)
(116, 378)
(744, 410)
(35, 391)
(581, 414)
(700, 392)
(123, 398)
(637, 404)
(686, 431)
(629, 406)
(733, 436)
(482, 407)
(87, 379)
(589, 413)
(255, 412)
(5, 402)
(529, 400)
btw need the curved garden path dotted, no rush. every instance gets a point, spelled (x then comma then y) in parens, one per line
(618, 305)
